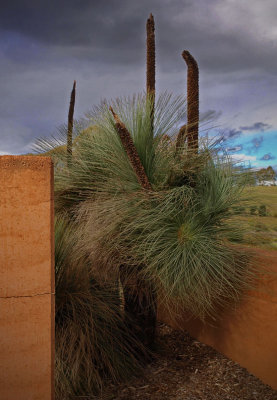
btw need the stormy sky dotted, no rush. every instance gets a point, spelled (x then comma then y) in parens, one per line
(45, 45)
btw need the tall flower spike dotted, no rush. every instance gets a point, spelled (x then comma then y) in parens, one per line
(192, 100)
(150, 43)
(70, 122)
(150, 64)
(131, 151)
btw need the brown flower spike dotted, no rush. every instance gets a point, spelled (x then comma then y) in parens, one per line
(150, 44)
(131, 151)
(192, 100)
(150, 64)
(70, 120)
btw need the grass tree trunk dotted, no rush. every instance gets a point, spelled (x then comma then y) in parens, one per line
(140, 303)
(140, 306)
(70, 123)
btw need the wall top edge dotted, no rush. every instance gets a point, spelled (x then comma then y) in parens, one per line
(23, 162)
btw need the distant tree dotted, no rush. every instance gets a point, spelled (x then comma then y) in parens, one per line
(271, 173)
(266, 174)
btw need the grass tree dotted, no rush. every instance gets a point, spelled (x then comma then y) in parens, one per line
(148, 208)
(145, 221)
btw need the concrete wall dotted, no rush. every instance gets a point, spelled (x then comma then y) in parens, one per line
(27, 278)
(247, 335)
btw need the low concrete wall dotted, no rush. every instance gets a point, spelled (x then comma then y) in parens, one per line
(247, 335)
(27, 278)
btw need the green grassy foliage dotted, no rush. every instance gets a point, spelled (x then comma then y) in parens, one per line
(180, 238)
(92, 342)
(178, 234)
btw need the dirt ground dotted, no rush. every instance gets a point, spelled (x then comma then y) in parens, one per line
(185, 369)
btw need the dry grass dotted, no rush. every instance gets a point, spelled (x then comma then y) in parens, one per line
(260, 231)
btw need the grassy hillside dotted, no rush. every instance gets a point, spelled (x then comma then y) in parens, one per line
(260, 229)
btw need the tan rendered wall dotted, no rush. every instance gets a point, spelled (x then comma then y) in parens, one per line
(247, 335)
(26, 278)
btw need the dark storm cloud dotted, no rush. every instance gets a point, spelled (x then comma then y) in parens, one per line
(257, 126)
(45, 45)
(114, 30)
(96, 30)
(68, 22)
(105, 31)
(267, 157)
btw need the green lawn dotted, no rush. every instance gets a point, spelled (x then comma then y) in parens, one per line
(261, 231)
